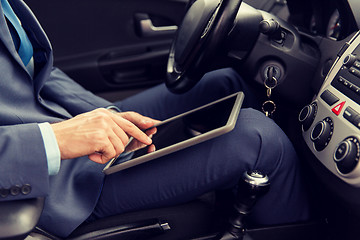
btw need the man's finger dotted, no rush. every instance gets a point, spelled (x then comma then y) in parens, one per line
(104, 154)
(121, 134)
(139, 120)
(132, 130)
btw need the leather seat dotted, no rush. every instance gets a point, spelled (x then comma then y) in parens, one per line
(18, 219)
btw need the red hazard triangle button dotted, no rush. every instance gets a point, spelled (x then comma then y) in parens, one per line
(337, 109)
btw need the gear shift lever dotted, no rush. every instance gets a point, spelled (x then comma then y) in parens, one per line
(251, 187)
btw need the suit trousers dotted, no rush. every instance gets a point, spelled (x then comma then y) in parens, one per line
(255, 143)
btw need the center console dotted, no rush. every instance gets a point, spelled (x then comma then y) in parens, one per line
(331, 122)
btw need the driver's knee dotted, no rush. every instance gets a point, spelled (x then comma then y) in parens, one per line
(256, 143)
(287, 199)
(261, 136)
(221, 82)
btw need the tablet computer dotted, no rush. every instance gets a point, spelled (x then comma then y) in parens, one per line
(185, 130)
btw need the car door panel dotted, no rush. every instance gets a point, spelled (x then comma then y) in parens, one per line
(109, 45)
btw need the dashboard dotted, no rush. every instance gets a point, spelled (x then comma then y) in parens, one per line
(328, 18)
(331, 123)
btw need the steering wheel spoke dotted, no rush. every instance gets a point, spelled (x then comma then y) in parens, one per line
(205, 26)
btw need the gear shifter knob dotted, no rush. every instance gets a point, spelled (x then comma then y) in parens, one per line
(251, 187)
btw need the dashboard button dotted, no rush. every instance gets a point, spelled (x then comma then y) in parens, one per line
(355, 89)
(329, 98)
(356, 121)
(351, 86)
(355, 71)
(337, 109)
(350, 114)
(357, 64)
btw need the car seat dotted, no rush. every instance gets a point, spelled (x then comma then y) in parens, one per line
(200, 219)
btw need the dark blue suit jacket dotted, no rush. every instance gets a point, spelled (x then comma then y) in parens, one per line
(51, 96)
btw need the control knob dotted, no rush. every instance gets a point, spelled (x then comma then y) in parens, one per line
(321, 133)
(269, 26)
(349, 60)
(272, 28)
(307, 115)
(346, 155)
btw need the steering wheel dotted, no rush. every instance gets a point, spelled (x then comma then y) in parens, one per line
(205, 26)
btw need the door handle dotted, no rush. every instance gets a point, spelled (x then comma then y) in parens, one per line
(147, 28)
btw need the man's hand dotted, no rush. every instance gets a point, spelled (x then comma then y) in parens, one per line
(100, 134)
(135, 144)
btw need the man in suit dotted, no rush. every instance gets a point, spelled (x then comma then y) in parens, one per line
(54, 137)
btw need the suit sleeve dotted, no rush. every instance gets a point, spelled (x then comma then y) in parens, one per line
(23, 164)
(61, 89)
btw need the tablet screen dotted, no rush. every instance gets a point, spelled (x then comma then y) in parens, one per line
(187, 129)
(190, 125)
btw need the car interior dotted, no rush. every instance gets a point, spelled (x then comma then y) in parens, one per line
(301, 59)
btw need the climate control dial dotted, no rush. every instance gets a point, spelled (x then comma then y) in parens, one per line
(346, 155)
(322, 133)
(307, 115)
